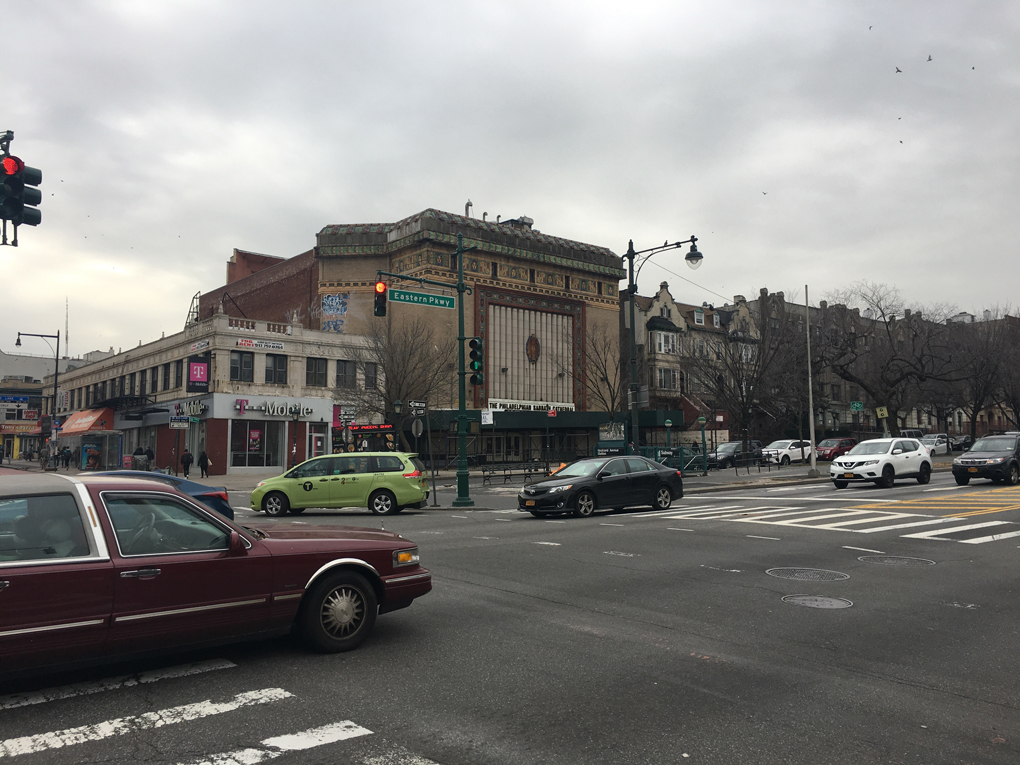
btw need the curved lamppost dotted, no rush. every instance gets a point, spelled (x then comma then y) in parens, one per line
(693, 258)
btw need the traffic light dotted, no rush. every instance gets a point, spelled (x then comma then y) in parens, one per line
(380, 298)
(477, 363)
(17, 192)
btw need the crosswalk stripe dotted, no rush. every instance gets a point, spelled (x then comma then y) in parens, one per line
(992, 538)
(112, 683)
(870, 517)
(124, 725)
(800, 521)
(906, 525)
(271, 748)
(955, 529)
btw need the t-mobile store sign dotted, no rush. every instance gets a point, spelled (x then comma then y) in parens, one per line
(198, 374)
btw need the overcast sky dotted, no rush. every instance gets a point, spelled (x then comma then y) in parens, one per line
(780, 133)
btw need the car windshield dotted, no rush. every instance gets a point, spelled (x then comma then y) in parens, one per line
(779, 445)
(929, 440)
(871, 447)
(998, 444)
(580, 469)
(830, 442)
(728, 447)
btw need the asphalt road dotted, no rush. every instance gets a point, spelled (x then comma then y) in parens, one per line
(631, 637)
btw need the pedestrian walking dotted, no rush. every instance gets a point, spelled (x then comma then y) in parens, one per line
(186, 460)
(44, 456)
(203, 463)
(66, 456)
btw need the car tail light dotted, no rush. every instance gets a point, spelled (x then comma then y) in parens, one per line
(218, 494)
(680, 473)
(415, 474)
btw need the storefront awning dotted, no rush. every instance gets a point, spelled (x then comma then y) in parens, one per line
(89, 420)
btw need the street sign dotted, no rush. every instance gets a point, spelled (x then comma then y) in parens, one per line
(180, 422)
(856, 406)
(422, 298)
(881, 412)
(416, 428)
(486, 417)
(417, 404)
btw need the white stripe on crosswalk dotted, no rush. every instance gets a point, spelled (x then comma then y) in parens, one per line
(906, 525)
(125, 725)
(940, 533)
(113, 683)
(271, 748)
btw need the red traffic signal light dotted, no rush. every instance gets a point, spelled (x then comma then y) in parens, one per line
(17, 195)
(380, 298)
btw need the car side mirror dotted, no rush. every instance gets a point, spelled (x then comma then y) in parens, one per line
(602, 475)
(237, 544)
(897, 451)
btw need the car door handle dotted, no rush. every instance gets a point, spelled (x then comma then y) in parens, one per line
(334, 479)
(3, 584)
(140, 573)
(323, 480)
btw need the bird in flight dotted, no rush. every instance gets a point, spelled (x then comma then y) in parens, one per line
(899, 70)
(929, 58)
(764, 193)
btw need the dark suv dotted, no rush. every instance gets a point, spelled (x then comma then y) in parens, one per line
(732, 454)
(995, 457)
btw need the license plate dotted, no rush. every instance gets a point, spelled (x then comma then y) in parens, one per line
(971, 470)
(529, 503)
(848, 475)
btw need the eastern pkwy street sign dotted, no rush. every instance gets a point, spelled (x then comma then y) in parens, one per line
(422, 298)
(856, 406)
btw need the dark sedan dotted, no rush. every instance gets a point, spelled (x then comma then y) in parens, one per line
(214, 497)
(603, 483)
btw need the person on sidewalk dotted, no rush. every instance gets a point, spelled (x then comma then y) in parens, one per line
(203, 463)
(186, 460)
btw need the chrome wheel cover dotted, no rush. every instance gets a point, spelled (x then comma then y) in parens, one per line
(663, 498)
(382, 504)
(585, 505)
(342, 612)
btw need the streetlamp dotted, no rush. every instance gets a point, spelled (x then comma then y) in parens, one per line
(669, 424)
(398, 406)
(56, 369)
(693, 259)
(704, 449)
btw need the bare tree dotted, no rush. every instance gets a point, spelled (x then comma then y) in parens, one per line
(869, 338)
(980, 353)
(412, 362)
(604, 378)
(1009, 389)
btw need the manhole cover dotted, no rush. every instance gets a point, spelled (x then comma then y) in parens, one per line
(817, 601)
(807, 574)
(895, 560)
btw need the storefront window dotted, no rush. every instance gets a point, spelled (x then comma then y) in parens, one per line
(316, 439)
(256, 443)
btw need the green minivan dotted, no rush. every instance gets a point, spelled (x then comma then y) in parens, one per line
(384, 482)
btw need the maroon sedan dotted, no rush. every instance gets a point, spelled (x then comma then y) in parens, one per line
(96, 567)
(831, 448)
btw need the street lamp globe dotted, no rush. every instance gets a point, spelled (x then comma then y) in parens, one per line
(397, 406)
(694, 257)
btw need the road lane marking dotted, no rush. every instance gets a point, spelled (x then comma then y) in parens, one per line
(555, 521)
(277, 745)
(905, 525)
(621, 525)
(670, 528)
(992, 538)
(551, 544)
(774, 539)
(862, 549)
(459, 516)
(112, 683)
(945, 488)
(123, 726)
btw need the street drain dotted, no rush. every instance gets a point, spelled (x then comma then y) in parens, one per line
(894, 560)
(807, 574)
(817, 601)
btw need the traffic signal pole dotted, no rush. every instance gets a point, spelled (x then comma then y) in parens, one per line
(463, 495)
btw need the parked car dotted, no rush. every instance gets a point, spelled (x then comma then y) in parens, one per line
(601, 483)
(831, 448)
(994, 457)
(912, 433)
(882, 461)
(937, 443)
(102, 567)
(787, 451)
(384, 482)
(732, 453)
(214, 497)
(961, 443)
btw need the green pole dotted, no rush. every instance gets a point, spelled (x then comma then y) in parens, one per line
(463, 496)
(704, 447)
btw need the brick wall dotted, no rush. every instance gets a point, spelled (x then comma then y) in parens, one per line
(285, 292)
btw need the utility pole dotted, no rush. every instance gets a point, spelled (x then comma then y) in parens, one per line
(463, 496)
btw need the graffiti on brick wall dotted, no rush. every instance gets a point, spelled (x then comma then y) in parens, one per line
(334, 311)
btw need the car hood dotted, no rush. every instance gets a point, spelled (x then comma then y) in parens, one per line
(291, 533)
(987, 455)
(550, 483)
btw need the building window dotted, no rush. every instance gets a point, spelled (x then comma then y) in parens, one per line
(179, 373)
(495, 270)
(276, 369)
(155, 380)
(598, 288)
(836, 393)
(315, 372)
(143, 379)
(346, 374)
(699, 318)
(131, 384)
(166, 377)
(669, 379)
(665, 342)
(371, 375)
(88, 395)
(242, 365)
(715, 320)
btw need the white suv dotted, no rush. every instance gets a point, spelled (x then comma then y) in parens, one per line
(786, 451)
(882, 461)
